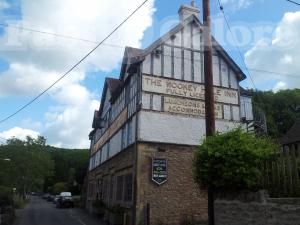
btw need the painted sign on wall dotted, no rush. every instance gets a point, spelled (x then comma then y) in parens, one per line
(189, 107)
(159, 170)
(187, 89)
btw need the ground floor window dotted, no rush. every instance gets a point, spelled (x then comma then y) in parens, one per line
(124, 188)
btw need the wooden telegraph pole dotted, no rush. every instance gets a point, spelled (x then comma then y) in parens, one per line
(209, 93)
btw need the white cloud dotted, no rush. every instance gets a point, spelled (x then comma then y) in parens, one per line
(280, 55)
(4, 5)
(36, 60)
(37, 53)
(19, 133)
(236, 4)
(279, 86)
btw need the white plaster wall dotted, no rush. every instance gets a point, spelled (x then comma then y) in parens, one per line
(236, 113)
(246, 107)
(157, 64)
(227, 112)
(224, 74)
(158, 127)
(197, 67)
(177, 40)
(157, 102)
(177, 63)
(97, 158)
(147, 64)
(104, 153)
(146, 101)
(115, 144)
(196, 37)
(132, 130)
(216, 70)
(187, 65)
(167, 61)
(233, 80)
(187, 36)
(124, 137)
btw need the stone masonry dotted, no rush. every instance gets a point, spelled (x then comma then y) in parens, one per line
(176, 199)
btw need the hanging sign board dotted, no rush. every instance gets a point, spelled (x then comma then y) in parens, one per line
(159, 170)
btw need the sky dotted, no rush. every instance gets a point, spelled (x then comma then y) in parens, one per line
(265, 31)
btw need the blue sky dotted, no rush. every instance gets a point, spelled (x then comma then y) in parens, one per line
(251, 15)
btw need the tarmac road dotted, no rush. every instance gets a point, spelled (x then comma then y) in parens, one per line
(41, 212)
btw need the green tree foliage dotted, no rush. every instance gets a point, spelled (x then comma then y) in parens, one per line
(231, 160)
(59, 187)
(35, 166)
(282, 109)
(28, 166)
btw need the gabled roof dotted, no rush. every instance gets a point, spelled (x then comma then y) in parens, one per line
(245, 92)
(133, 55)
(114, 86)
(293, 135)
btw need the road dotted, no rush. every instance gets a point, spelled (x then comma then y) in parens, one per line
(41, 212)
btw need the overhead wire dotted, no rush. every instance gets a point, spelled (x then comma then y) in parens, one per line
(237, 47)
(74, 66)
(119, 46)
(296, 3)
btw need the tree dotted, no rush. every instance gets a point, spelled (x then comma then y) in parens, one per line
(232, 160)
(282, 109)
(28, 167)
(59, 187)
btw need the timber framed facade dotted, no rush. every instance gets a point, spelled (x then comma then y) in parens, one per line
(155, 110)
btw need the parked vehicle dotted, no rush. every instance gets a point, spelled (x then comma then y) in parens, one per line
(56, 197)
(50, 198)
(65, 200)
(45, 196)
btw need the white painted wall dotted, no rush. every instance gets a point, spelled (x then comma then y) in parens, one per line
(167, 61)
(177, 63)
(158, 127)
(115, 144)
(147, 64)
(246, 107)
(187, 65)
(157, 63)
(197, 67)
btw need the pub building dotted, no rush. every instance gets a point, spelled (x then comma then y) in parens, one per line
(151, 120)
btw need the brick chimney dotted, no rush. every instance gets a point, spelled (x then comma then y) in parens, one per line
(187, 10)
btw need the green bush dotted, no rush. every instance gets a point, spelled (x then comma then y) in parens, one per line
(60, 187)
(6, 196)
(99, 204)
(232, 160)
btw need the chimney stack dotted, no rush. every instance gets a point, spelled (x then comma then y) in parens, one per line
(186, 11)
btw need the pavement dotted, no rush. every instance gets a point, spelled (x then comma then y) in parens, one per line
(40, 212)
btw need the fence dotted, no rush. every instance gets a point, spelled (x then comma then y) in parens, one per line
(282, 174)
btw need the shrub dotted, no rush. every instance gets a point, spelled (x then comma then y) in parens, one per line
(99, 204)
(232, 160)
(6, 196)
(59, 187)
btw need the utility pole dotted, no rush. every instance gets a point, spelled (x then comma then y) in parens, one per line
(209, 93)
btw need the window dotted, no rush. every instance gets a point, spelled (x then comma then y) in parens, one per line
(120, 183)
(128, 188)
(124, 137)
(111, 189)
(129, 132)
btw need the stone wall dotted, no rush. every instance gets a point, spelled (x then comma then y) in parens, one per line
(176, 199)
(260, 210)
(120, 164)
